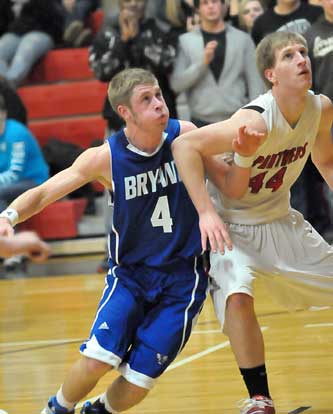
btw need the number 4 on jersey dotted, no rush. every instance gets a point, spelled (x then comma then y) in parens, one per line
(161, 215)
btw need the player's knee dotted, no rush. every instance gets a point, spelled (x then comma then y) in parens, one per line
(95, 368)
(239, 303)
(133, 389)
(131, 394)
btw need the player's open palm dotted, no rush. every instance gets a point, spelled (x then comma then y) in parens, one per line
(247, 141)
(214, 231)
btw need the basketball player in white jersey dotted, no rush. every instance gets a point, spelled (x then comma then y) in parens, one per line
(270, 239)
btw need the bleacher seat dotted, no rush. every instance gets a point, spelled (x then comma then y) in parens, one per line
(58, 220)
(64, 101)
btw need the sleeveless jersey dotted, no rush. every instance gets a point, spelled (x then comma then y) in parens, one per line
(277, 163)
(154, 221)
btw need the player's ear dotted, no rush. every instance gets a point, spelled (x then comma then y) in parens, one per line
(123, 112)
(270, 75)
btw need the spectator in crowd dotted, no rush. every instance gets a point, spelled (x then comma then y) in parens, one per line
(292, 15)
(130, 40)
(76, 13)
(22, 165)
(242, 13)
(217, 77)
(15, 107)
(320, 43)
(178, 14)
(34, 27)
(249, 10)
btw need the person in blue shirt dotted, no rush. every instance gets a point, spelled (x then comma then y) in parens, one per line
(22, 165)
(156, 283)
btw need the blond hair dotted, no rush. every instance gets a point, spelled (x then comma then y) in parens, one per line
(241, 8)
(269, 45)
(174, 13)
(121, 86)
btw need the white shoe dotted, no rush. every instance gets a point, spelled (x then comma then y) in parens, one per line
(258, 404)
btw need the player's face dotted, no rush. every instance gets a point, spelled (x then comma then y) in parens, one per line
(148, 107)
(292, 67)
(210, 10)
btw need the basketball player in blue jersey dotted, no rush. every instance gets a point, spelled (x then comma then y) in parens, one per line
(156, 284)
(270, 239)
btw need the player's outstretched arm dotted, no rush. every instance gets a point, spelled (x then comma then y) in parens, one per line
(190, 150)
(92, 164)
(189, 153)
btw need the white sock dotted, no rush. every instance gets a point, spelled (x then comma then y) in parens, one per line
(63, 402)
(104, 399)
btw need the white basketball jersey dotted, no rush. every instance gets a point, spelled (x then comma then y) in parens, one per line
(277, 163)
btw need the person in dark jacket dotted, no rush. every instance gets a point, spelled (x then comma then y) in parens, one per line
(34, 27)
(130, 40)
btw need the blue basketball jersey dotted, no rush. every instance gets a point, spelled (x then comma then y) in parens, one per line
(154, 221)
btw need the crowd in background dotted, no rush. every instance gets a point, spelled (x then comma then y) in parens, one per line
(205, 64)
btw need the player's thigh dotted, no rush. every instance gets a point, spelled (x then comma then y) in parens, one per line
(117, 318)
(167, 326)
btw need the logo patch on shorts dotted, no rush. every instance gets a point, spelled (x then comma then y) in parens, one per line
(161, 359)
(103, 325)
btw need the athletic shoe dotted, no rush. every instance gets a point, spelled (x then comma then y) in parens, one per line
(96, 408)
(258, 404)
(53, 407)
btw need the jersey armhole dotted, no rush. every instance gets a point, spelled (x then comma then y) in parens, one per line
(255, 108)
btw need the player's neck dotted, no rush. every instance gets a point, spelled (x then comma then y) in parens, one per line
(290, 105)
(146, 141)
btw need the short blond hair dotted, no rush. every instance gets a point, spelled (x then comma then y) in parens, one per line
(121, 87)
(269, 45)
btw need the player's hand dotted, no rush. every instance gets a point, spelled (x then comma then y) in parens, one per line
(6, 229)
(247, 141)
(215, 231)
(31, 245)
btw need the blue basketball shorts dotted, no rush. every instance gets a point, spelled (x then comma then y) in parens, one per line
(145, 318)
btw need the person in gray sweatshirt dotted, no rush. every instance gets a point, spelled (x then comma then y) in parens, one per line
(215, 66)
